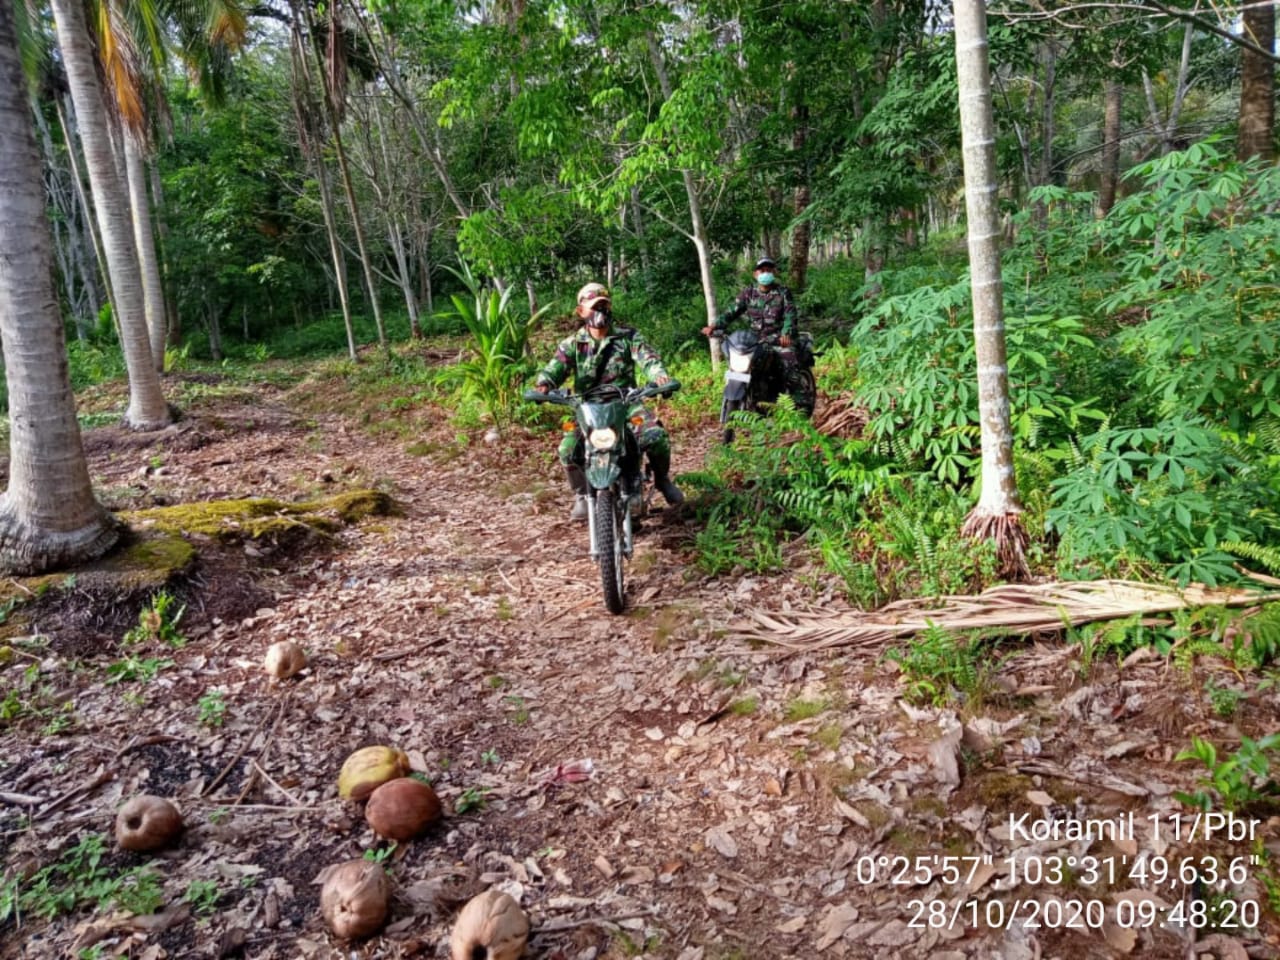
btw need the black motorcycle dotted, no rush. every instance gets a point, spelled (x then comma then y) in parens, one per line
(615, 478)
(755, 377)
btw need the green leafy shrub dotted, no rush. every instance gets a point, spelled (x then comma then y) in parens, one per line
(919, 378)
(1168, 494)
(1235, 782)
(498, 362)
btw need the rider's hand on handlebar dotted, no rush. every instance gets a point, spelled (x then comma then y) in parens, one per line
(784, 341)
(708, 331)
(542, 387)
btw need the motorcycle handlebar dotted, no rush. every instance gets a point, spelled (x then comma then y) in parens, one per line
(633, 395)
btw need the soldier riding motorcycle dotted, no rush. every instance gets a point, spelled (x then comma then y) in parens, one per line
(769, 359)
(607, 480)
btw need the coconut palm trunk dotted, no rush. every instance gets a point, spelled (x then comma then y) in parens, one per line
(144, 238)
(48, 514)
(998, 514)
(147, 407)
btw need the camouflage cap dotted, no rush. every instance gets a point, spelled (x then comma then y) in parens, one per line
(593, 294)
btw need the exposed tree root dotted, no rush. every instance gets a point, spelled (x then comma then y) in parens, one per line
(1010, 537)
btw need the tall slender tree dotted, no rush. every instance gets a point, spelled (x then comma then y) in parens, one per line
(147, 407)
(998, 514)
(48, 514)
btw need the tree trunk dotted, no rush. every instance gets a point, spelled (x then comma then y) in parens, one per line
(148, 262)
(171, 322)
(1113, 94)
(998, 514)
(699, 235)
(1168, 128)
(48, 514)
(404, 278)
(147, 407)
(69, 135)
(304, 112)
(1257, 86)
(637, 222)
(798, 269)
(1048, 128)
(344, 170)
(215, 330)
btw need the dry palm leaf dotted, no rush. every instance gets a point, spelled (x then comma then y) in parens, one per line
(841, 417)
(1009, 608)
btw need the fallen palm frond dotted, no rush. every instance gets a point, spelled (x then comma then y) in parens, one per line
(840, 417)
(1010, 608)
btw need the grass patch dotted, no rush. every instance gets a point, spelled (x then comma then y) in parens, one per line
(800, 709)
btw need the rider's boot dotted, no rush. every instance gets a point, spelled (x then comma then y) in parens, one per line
(662, 478)
(578, 484)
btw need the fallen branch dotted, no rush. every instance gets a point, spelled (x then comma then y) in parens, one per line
(1009, 608)
(98, 779)
(556, 926)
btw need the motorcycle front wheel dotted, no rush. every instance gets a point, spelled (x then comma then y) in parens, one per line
(727, 408)
(811, 389)
(609, 547)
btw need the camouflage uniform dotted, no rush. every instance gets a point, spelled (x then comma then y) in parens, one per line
(581, 356)
(773, 313)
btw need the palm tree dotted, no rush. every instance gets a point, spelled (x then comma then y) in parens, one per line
(147, 407)
(48, 514)
(998, 514)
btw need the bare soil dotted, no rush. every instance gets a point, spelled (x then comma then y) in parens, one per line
(645, 784)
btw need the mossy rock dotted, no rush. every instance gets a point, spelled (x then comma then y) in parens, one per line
(148, 562)
(259, 516)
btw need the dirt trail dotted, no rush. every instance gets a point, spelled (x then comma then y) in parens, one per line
(644, 785)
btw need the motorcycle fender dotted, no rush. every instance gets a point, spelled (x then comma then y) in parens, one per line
(734, 389)
(602, 471)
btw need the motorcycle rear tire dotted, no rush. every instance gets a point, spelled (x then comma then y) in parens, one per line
(609, 548)
(727, 408)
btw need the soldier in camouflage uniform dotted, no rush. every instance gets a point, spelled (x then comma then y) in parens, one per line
(601, 353)
(774, 317)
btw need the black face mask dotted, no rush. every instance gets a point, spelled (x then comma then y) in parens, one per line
(600, 320)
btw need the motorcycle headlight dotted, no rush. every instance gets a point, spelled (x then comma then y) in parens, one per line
(603, 439)
(739, 362)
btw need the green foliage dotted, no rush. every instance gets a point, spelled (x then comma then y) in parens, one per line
(90, 362)
(381, 854)
(1197, 253)
(203, 896)
(939, 666)
(1235, 782)
(472, 798)
(1167, 494)
(159, 621)
(79, 879)
(919, 378)
(1224, 701)
(142, 670)
(1264, 554)
(498, 361)
(213, 708)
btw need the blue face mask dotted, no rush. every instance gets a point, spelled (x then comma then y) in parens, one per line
(765, 279)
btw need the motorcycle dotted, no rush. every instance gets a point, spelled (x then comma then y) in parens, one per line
(754, 378)
(615, 480)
